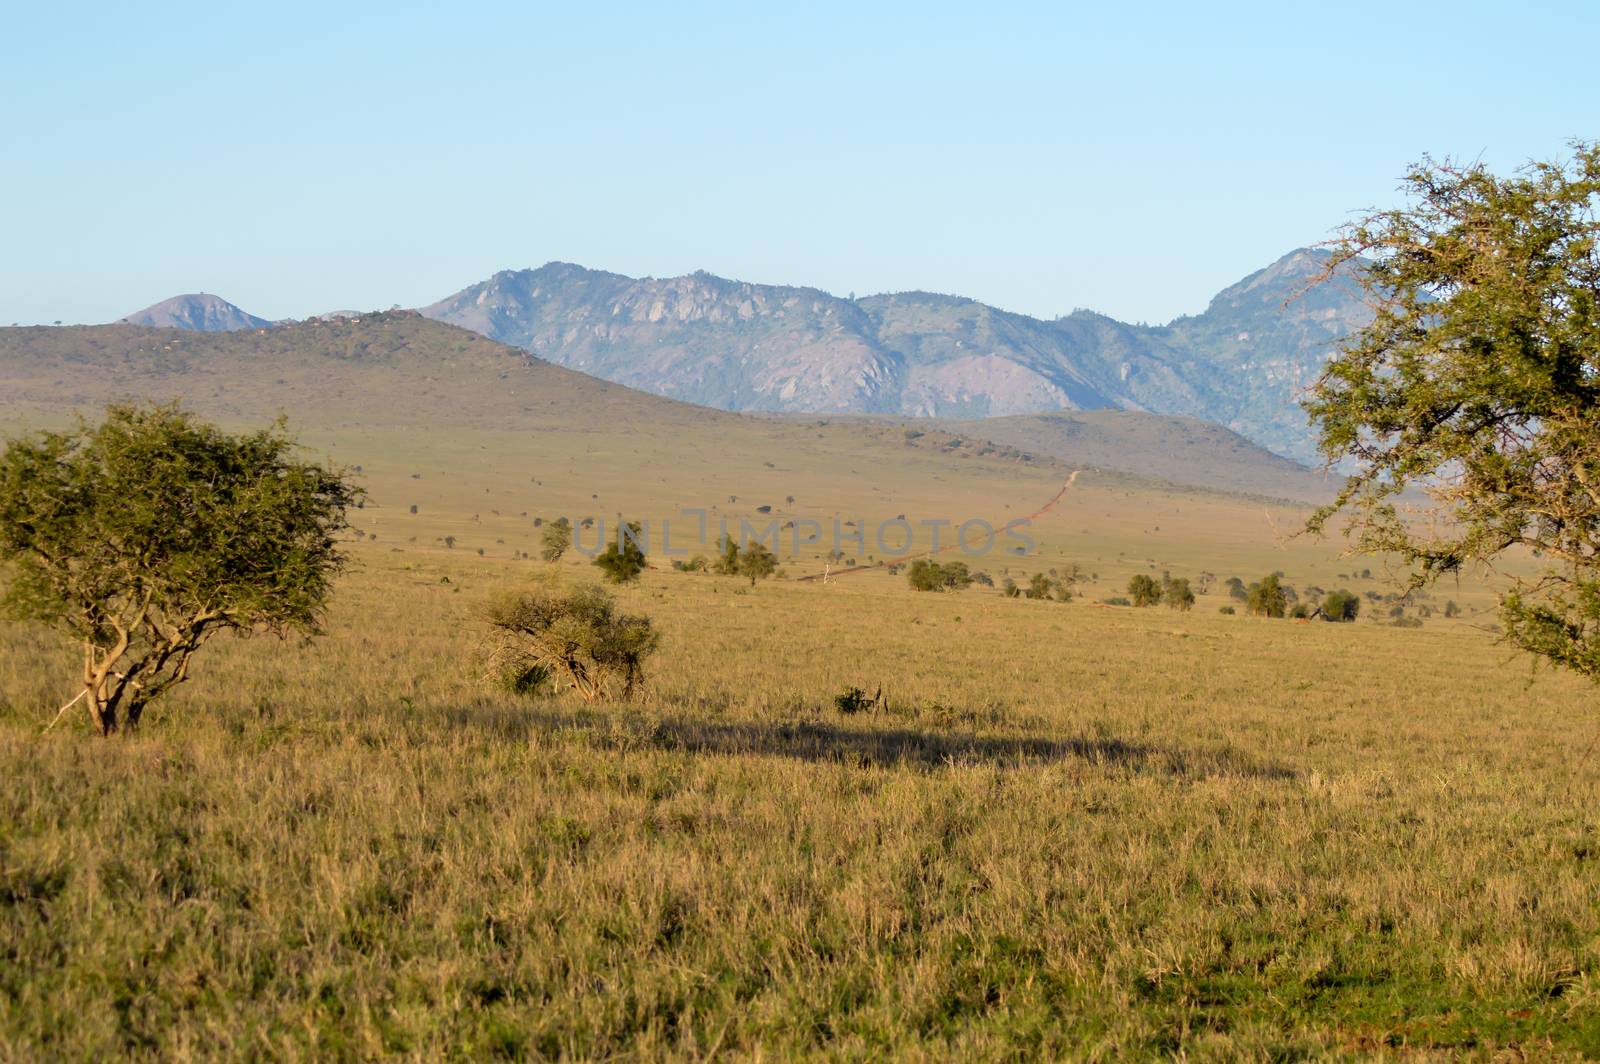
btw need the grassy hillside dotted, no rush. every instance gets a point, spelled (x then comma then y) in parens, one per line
(1176, 449)
(482, 439)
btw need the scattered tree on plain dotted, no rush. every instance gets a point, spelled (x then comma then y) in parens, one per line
(1144, 591)
(1477, 381)
(1178, 594)
(623, 559)
(1041, 586)
(1341, 605)
(145, 535)
(727, 563)
(1269, 598)
(555, 539)
(925, 574)
(757, 562)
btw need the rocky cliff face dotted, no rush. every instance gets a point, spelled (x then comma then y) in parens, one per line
(740, 346)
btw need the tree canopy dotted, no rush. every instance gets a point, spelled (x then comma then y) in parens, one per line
(623, 560)
(1477, 381)
(144, 535)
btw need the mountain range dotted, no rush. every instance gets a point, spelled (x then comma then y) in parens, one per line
(746, 347)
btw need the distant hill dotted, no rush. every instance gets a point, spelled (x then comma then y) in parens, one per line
(398, 370)
(1177, 449)
(740, 346)
(392, 369)
(198, 312)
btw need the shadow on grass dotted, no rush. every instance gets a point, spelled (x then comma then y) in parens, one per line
(822, 741)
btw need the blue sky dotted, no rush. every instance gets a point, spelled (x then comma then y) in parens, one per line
(298, 158)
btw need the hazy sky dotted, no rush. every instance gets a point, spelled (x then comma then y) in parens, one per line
(298, 158)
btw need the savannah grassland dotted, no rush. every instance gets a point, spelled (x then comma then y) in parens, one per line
(1073, 831)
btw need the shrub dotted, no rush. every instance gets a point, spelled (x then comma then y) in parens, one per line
(855, 700)
(147, 534)
(623, 559)
(1226, 610)
(1010, 589)
(1341, 605)
(756, 562)
(1144, 591)
(924, 574)
(574, 639)
(727, 563)
(555, 539)
(1451, 609)
(1267, 599)
(1179, 595)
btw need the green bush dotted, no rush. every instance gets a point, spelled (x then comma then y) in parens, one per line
(1267, 598)
(576, 639)
(1341, 606)
(623, 560)
(1144, 591)
(924, 574)
(555, 539)
(1178, 594)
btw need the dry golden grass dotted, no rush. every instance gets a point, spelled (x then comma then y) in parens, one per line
(1074, 831)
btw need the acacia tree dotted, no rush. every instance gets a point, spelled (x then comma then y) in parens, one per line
(1269, 598)
(1178, 594)
(1477, 381)
(623, 560)
(555, 539)
(145, 535)
(1144, 590)
(757, 562)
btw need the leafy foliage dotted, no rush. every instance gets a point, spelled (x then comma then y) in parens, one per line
(1478, 382)
(623, 559)
(555, 539)
(577, 639)
(1341, 605)
(1143, 590)
(1178, 594)
(1268, 598)
(757, 562)
(727, 563)
(925, 574)
(144, 535)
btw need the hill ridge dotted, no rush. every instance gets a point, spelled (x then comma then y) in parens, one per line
(743, 346)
